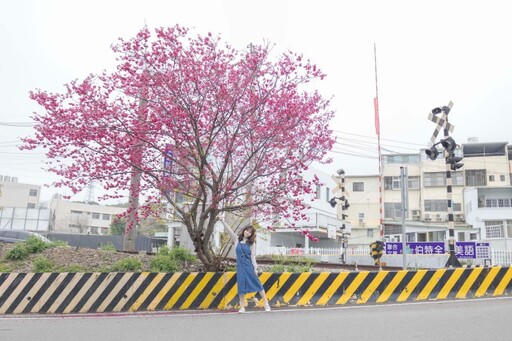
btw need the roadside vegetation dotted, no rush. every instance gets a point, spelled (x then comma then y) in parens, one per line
(35, 255)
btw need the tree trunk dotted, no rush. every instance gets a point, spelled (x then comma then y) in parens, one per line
(130, 232)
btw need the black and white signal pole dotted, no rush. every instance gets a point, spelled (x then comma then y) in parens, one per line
(452, 164)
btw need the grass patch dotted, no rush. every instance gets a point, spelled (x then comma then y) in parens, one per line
(291, 264)
(171, 260)
(42, 264)
(127, 265)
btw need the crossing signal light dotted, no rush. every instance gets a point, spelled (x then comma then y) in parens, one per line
(377, 248)
(449, 144)
(432, 153)
(454, 162)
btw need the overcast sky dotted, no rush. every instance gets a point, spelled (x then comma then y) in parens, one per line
(428, 53)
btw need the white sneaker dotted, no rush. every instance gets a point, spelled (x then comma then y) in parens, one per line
(267, 307)
(241, 310)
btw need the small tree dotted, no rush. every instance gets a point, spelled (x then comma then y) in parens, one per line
(230, 130)
(117, 226)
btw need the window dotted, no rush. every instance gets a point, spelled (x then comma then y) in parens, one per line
(369, 233)
(491, 178)
(393, 210)
(95, 216)
(401, 159)
(503, 202)
(388, 182)
(491, 203)
(502, 178)
(358, 186)
(31, 205)
(509, 228)
(76, 212)
(413, 182)
(32, 193)
(436, 205)
(361, 215)
(317, 191)
(457, 207)
(327, 194)
(458, 178)
(476, 177)
(473, 236)
(106, 216)
(461, 237)
(494, 229)
(392, 182)
(431, 179)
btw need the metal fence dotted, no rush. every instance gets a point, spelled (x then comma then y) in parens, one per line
(501, 257)
(297, 251)
(20, 218)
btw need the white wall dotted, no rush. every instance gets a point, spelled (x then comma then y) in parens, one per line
(15, 194)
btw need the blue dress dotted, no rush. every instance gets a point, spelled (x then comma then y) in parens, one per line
(246, 279)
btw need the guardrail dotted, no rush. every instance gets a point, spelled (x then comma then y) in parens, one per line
(65, 293)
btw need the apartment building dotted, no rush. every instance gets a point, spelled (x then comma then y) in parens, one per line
(487, 167)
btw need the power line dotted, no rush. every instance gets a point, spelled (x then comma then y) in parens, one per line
(18, 124)
(372, 137)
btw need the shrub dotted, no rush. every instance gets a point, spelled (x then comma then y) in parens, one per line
(42, 264)
(35, 245)
(127, 265)
(18, 252)
(182, 255)
(4, 267)
(164, 263)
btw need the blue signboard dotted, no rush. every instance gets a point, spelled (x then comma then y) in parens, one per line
(419, 248)
(463, 250)
(472, 250)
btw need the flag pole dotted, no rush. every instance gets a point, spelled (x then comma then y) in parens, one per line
(377, 130)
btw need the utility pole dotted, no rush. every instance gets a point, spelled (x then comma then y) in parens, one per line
(405, 207)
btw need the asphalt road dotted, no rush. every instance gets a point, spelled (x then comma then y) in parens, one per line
(477, 319)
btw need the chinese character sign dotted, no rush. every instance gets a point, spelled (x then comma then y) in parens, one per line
(463, 250)
(426, 248)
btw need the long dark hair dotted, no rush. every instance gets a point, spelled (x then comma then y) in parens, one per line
(252, 239)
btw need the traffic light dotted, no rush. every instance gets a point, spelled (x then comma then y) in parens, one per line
(377, 248)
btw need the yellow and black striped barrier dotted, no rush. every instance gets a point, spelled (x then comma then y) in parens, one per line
(71, 293)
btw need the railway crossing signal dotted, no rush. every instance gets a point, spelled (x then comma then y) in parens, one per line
(439, 116)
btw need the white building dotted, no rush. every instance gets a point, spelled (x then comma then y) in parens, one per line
(321, 223)
(20, 208)
(486, 172)
(77, 217)
(16, 194)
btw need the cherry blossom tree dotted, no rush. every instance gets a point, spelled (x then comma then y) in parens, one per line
(229, 130)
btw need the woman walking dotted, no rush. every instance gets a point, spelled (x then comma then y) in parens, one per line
(246, 268)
